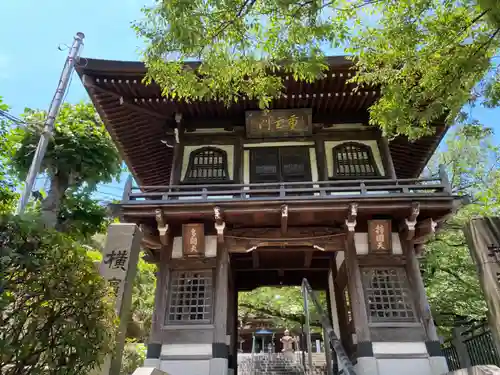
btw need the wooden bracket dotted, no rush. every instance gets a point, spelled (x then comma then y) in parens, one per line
(220, 224)
(411, 221)
(350, 222)
(162, 226)
(284, 219)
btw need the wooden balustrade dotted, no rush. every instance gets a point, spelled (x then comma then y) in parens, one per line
(287, 190)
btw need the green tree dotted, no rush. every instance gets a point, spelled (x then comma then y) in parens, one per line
(283, 305)
(56, 312)
(79, 156)
(472, 160)
(8, 195)
(429, 57)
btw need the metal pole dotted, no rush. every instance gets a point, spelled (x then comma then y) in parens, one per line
(55, 105)
(308, 327)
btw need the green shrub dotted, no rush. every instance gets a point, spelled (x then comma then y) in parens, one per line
(134, 355)
(56, 312)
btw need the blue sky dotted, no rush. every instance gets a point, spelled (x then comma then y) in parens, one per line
(31, 63)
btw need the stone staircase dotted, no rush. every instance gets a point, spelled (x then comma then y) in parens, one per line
(276, 364)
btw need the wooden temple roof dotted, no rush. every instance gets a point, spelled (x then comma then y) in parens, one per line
(138, 117)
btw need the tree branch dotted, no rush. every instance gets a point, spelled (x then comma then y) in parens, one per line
(278, 314)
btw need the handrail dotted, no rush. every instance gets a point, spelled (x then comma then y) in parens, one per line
(179, 194)
(346, 363)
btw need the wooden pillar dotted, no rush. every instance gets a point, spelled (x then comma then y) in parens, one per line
(356, 293)
(176, 157)
(386, 152)
(232, 329)
(220, 349)
(418, 289)
(329, 355)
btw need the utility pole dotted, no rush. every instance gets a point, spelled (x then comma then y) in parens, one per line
(55, 105)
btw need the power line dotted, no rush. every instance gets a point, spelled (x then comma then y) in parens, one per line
(6, 115)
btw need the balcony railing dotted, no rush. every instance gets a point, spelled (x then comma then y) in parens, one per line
(310, 190)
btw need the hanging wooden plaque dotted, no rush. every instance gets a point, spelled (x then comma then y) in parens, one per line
(193, 239)
(379, 236)
(279, 123)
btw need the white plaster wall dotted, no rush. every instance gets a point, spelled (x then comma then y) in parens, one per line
(186, 367)
(399, 348)
(210, 247)
(407, 366)
(186, 349)
(230, 158)
(329, 145)
(410, 358)
(361, 241)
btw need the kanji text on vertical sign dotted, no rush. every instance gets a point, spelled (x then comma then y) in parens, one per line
(118, 266)
(193, 238)
(379, 236)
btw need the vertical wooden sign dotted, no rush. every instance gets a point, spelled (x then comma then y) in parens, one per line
(193, 240)
(379, 236)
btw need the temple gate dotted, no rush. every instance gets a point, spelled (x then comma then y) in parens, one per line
(233, 198)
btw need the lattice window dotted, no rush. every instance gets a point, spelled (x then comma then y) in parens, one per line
(190, 297)
(207, 164)
(354, 160)
(387, 295)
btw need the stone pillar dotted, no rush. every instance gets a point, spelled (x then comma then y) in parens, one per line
(119, 267)
(220, 349)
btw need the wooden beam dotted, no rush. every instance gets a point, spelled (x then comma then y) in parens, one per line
(255, 259)
(284, 219)
(90, 83)
(319, 269)
(221, 294)
(381, 260)
(308, 256)
(341, 279)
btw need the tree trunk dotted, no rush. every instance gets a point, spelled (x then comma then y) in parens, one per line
(52, 203)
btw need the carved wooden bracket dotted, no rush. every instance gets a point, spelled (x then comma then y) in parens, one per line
(411, 221)
(284, 218)
(350, 222)
(162, 226)
(220, 224)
